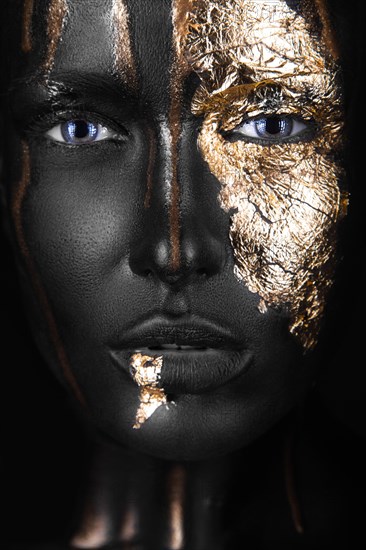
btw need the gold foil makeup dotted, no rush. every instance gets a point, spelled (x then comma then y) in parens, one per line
(28, 8)
(258, 59)
(56, 18)
(146, 373)
(178, 71)
(176, 499)
(124, 60)
(327, 30)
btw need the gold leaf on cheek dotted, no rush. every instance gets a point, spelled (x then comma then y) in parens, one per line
(261, 59)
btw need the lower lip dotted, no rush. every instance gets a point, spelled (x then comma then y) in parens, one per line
(191, 371)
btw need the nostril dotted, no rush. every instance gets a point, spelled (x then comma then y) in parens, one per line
(201, 256)
(171, 278)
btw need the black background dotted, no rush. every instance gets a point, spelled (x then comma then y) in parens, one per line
(43, 447)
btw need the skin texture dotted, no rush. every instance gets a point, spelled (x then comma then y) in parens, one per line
(131, 230)
(113, 233)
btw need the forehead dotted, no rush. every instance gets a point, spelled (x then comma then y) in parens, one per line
(119, 38)
(144, 36)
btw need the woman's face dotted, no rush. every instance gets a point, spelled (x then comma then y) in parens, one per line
(173, 192)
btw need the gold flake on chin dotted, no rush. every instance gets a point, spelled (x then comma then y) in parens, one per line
(146, 371)
(264, 59)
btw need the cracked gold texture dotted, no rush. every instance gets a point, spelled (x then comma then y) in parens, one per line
(260, 58)
(146, 371)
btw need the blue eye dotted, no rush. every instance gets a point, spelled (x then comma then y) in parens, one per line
(271, 128)
(79, 132)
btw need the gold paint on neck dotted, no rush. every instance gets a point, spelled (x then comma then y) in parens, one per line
(128, 530)
(94, 531)
(146, 373)
(176, 497)
(56, 18)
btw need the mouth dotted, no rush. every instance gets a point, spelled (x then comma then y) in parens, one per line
(198, 356)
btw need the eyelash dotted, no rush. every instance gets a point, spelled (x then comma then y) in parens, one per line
(47, 124)
(43, 125)
(300, 134)
(80, 132)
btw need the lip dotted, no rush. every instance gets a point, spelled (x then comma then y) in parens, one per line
(211, 357)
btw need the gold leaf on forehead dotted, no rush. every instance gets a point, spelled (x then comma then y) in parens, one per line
(124, 59)
(56, 17)
(181, 20)
(263, 59)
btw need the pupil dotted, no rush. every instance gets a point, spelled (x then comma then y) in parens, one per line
(81, 129)
(274, 125)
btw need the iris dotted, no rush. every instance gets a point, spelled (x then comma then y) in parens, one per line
(79, 131)
(274, 126)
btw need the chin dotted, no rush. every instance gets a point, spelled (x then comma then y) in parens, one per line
(198, 427)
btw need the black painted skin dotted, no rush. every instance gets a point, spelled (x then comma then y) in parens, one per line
(104, 261)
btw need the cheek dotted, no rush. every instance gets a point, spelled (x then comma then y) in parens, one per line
(77, 215)
(287, 204)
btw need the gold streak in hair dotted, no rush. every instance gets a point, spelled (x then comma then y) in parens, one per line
(56, 18)
(124, 59)
(260, 59)
(27, 25)
(146, 373)
(16, 209)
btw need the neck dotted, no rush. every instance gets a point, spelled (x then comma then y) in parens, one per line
(132, 498)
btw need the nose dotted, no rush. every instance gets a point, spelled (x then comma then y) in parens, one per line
(200, 255)
(184, 241)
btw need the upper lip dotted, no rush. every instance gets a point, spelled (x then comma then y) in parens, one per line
(192, 331)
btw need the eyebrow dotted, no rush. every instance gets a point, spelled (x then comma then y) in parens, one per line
(68, 80)
(271, 91)
(28, 96)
